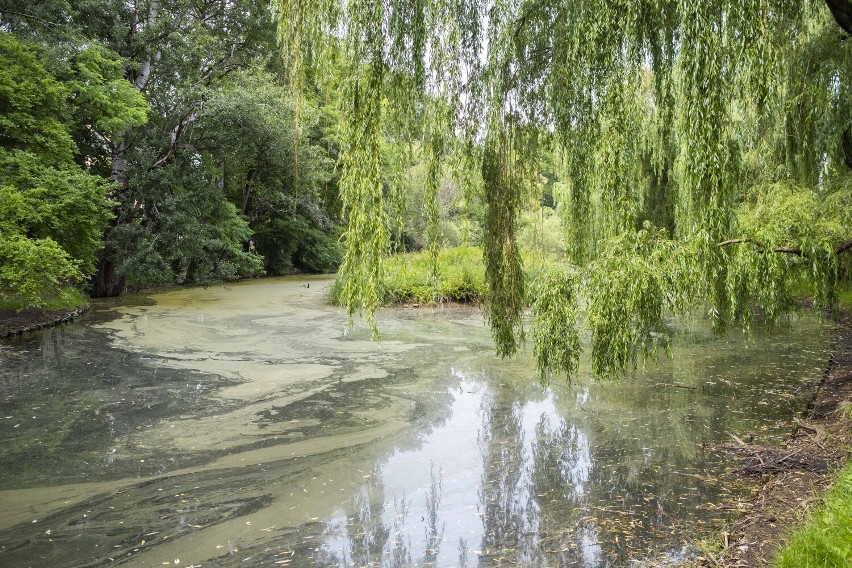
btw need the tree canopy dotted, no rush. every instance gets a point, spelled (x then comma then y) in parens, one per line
(153, 143)
(53, 209)
(705, 150)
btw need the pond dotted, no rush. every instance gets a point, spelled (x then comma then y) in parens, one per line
(245, 426)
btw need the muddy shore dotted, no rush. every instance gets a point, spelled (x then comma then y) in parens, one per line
(14, 322)
(795, 482)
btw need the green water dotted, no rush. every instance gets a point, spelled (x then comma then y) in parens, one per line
(243, 426)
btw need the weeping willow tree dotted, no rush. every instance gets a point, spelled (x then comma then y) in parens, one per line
(706, 149)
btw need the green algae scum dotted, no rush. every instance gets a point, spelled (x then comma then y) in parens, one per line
(245, 426)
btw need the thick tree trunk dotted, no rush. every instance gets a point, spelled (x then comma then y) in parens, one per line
(107, 282)
(846, 146)
(842, 12)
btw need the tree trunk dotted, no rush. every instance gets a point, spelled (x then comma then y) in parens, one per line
(842, 12)
(846, 146)
(107, 282)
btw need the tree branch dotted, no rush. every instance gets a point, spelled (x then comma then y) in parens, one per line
(838, 250)
(176, 134)
(842, 12)
(191, 115)
(796, 252)
(33, 17)
(141, 79)
(843, 247)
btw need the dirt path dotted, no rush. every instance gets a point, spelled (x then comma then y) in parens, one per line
(798, 474)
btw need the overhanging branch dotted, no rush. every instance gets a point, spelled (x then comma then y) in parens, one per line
(839, 249)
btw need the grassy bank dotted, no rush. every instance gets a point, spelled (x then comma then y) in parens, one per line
(409, 278)
(461, 277)
(826, 539)
(16, 317)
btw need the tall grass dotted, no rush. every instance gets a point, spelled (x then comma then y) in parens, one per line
(461, 277)
(826, 540)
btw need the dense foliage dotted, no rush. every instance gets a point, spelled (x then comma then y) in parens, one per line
(705, 149)
(152, 143)
(696, 154)
(53, 209)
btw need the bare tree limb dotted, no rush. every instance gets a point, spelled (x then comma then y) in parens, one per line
(176, 134)
(141, 79)
(34, 17)
(843, 247)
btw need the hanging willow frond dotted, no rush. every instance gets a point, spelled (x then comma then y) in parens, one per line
(669, 116)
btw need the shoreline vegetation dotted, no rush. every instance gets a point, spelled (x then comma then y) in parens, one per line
(411, 279)
(799, 516)
(828, 534)
(64, 306)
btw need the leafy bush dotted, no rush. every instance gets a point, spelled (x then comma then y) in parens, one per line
(64, 204)
(31, 268)
(189, 233)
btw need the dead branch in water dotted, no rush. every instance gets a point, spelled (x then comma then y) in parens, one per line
(759, 460)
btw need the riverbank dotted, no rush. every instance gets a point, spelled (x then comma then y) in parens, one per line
(62, 307)
(14, 322)
(796, 482)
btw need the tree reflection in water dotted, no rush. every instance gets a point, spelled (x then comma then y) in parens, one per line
(372, 537)
(534, 489)
(434, 533)
(556, 477)
(358, 539)
(503, 492)
(561, 464)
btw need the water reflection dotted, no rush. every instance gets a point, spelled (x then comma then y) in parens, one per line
(580, 477)
(425, 450)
